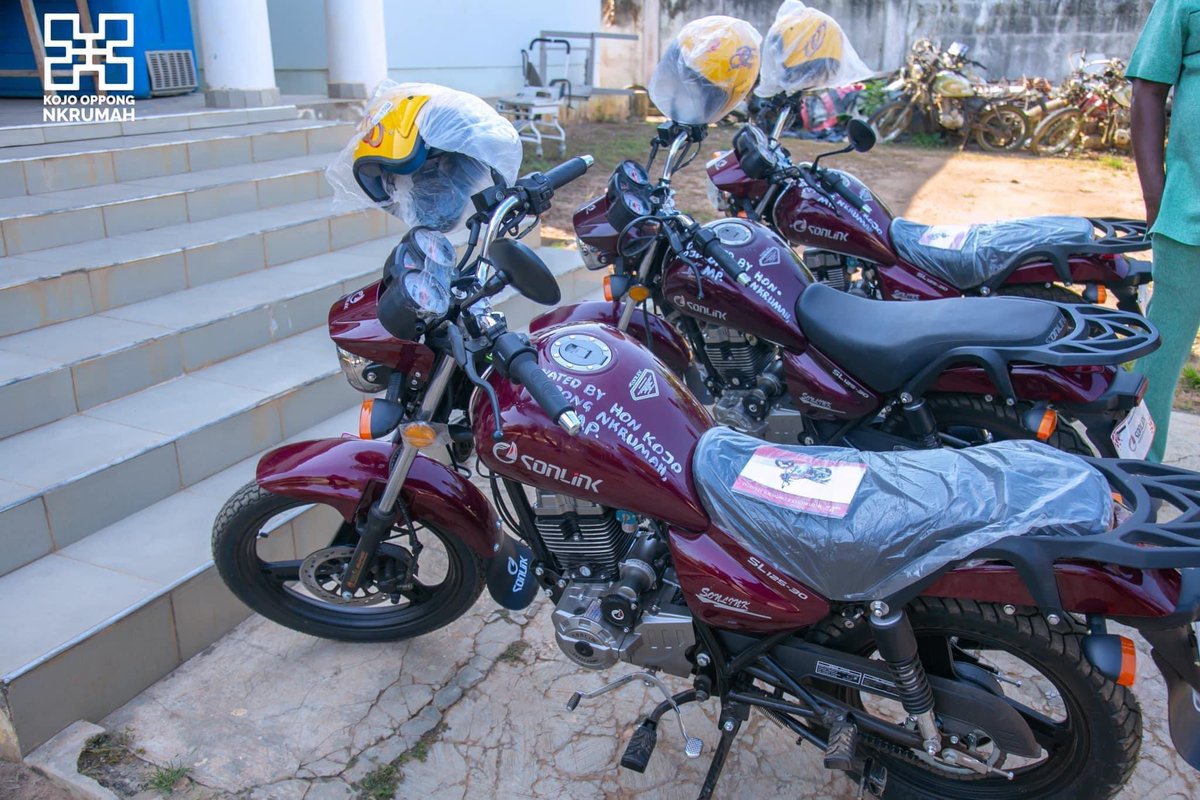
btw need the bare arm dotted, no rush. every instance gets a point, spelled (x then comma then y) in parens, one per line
(1149, 119)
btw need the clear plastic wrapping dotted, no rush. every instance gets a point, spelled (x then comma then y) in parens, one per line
(706, 70)
(473, 140)
(967, 255)
(858, 526)
(807, 49)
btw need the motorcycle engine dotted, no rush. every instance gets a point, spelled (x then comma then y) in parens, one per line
(950, 114)
(584, 536)
(739, 358)
(1122, 138)
(657, 633)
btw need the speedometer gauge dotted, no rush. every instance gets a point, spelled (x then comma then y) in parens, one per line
(428, 293)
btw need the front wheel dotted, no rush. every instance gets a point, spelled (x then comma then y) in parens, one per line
(1002, 128)
(1057, 133)
(1089, 728)
(892, 121)
(283, 557)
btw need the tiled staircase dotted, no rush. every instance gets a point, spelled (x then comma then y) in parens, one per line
(162, 300)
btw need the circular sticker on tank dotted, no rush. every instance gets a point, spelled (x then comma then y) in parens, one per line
(580, 352)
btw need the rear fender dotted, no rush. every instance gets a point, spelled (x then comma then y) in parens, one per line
(348, 473)
(664, 341)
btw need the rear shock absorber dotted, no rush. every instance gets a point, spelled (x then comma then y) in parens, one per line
(896, 642)
(920, 421)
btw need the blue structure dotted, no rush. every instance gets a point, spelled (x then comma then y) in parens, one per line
(158, 25)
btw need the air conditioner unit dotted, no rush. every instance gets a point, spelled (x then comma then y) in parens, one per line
(171, 72)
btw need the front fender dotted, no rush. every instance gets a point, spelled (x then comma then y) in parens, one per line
(344, 473)
(664, 341)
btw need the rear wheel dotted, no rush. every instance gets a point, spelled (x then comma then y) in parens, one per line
(892, 121)
(1057, 133)
(1003, 128)
(1089, 728)
(971, 419)
(286, 564)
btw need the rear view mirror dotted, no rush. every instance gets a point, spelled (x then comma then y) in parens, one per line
(522, 269)
(861, 135)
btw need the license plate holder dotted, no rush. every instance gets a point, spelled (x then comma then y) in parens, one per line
(1133, 435)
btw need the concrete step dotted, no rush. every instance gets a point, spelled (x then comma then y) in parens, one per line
(55, 371)
(40, 168)
(143, 594)
(29, 224)
(18, 135)
(71, 281)
(137, 450)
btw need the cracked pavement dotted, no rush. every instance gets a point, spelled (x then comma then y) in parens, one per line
(270, 714)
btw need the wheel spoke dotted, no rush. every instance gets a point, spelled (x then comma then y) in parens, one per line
(281, 571)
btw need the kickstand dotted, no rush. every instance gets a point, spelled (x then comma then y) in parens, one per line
(732, 716)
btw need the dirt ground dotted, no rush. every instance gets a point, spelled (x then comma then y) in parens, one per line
(18, 782)
(938, 185)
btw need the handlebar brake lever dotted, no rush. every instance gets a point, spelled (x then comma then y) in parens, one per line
(487, 389)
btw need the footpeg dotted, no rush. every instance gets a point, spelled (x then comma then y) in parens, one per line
(640, 747)
(692, 747)
(842, 747)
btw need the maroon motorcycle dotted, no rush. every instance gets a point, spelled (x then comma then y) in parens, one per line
(933, 621)
(795, 361)
(846, 229)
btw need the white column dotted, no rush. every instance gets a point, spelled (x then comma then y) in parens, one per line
(357, 46)
(239, 68)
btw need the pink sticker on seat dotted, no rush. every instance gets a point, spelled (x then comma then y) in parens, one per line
(804, 483)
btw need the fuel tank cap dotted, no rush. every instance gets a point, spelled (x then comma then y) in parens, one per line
(580, 352)
(733, 233)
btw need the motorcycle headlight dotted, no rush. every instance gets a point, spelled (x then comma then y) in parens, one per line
(362, 373)
(593, 257)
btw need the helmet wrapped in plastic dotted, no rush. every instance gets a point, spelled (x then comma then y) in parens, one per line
(807, 49)
(707, 69)
(420, 152)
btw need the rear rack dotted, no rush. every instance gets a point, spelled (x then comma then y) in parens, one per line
(1097, 336)
(1118, 236)
(1162, 532)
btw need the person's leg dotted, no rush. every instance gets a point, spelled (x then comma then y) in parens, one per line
(1175, 310)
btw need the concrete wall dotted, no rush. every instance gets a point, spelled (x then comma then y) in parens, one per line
(1012, 37)
(473, 45)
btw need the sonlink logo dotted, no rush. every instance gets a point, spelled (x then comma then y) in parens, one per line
(683, 302)
(506, 453)
(519, 571)
(801, 226)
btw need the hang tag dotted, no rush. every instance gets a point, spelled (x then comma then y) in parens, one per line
(804, 483)
(945, 237)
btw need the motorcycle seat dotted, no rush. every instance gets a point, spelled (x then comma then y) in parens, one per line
(886, 344)
(967, 256)
(911, 513)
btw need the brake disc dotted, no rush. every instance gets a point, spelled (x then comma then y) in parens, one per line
(321, 574)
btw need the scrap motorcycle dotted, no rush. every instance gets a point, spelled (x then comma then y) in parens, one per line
(848, 231)
(630, 512)
(796, 361)
(935, 87)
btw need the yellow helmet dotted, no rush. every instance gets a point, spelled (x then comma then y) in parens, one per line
(391, 145)
(706, 70)
(807, 49)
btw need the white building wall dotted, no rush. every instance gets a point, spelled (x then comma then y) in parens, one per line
(472, 45)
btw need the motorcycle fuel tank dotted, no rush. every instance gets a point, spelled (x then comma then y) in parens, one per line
(810, 219)
(766, 307)
(640, 426)
(950, 84)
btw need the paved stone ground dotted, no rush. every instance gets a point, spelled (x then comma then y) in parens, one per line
(479, 710)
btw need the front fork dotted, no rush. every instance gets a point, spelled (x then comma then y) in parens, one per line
(382, 513)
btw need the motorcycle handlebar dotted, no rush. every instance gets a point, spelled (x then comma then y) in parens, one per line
(840, 188)
(519, 362)
(568, 171)
(711, 247)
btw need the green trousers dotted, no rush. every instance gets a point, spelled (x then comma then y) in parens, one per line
(1175, 310)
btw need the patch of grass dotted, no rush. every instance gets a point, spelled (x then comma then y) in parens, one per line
(380, 783)
(1191, 379)
(1114, 162)
(106, 749)
(512, 654)
(165, 779)
(608, 143)
(927, 141)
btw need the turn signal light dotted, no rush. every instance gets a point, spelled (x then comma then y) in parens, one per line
(419, 434)
(364, 419)
(377, 418)
(1048, 425)
(638, 293)
(608, 295)
(1128, 662)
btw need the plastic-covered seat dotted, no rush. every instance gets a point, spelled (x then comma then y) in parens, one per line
(885, 344)
(966, 256)
(858, 526)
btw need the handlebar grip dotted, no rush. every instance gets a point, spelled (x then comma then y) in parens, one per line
(725, 260)
(568, 171)
(840, 188)
(524, 369)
